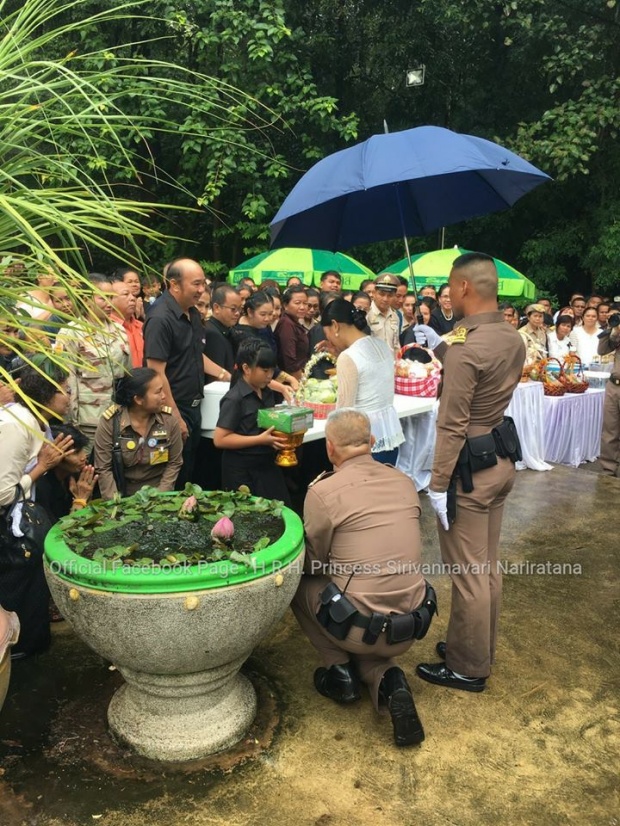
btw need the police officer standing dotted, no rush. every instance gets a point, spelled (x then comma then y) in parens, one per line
(482, 368)
(610, 438)
(363, 600)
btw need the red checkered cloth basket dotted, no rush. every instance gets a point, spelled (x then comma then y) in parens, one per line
(427, 387)
(321, 411)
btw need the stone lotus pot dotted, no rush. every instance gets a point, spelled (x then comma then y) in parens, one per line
(179, 637)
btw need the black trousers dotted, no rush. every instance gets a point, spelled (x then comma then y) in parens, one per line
(24, 590)
(259, 473)
(193, 419)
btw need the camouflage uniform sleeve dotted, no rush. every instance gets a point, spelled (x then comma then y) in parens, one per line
(104, 443)
(175, 455)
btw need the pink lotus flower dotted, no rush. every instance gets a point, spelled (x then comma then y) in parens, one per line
(223, 530)
(188, 507)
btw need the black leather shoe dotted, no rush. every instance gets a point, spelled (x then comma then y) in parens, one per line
(397, 694)
(440, 648)
(338, 682)
(440, 674)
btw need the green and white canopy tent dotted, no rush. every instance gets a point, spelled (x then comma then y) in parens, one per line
(434, 268)
(308, 265)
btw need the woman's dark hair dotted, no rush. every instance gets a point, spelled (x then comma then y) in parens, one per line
(442, 290)
(289, 292)
(133, 384)
(565, 319)
(120, 272)
(80, 440)
(38, 384)
(362, 294)
(365, 283)
(257, 300)
(255, 353)
(272, 292)
(269, 284)
(346, 293)
(343, 312)
(430, 302)
(312, 291)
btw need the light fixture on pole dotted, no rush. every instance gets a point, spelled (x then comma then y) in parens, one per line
(415, 77)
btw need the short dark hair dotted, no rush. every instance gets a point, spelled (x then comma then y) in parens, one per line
(404, 282)
(471, 258)
(312, 291)
(442, 289)
(120, 272)
(38, 384)
(97, 278)
(289, 292)
(133, 384)
(255, 352)
(331, 272)
(218, 296)
(80, 440)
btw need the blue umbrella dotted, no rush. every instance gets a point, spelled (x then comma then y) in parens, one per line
(401, 183)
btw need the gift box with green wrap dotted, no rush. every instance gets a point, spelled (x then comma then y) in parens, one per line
(286, 419)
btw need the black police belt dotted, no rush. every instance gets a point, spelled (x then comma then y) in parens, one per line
(338, 615)
(481, 452)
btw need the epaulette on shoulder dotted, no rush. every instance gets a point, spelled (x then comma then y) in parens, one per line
(457, 336)
(325, 475)
(112, 409)
(166, 409)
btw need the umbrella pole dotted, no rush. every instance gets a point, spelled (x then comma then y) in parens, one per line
(402, 223)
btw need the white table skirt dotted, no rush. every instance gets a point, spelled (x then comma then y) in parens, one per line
(415, 455)
(527, 409)
(573, 425)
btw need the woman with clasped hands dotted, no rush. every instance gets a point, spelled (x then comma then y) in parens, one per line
(365, 368)
(26, 458)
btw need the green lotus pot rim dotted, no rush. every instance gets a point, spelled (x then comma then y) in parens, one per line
(171, 578)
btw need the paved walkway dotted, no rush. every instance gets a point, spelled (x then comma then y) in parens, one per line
(540, 746)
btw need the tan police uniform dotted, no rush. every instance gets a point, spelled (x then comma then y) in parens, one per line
(482, 368)
(362, 532)
(384, 327)
(153, 460)
(610, 437)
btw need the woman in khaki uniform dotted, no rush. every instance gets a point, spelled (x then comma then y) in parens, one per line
(145, 432)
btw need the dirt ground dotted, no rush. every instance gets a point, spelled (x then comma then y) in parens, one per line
(540, 746)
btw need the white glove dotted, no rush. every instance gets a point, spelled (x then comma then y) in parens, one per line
(439, 503)
(426, 336)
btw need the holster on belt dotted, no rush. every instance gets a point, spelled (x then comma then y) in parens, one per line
(337, 615)
(507, 442)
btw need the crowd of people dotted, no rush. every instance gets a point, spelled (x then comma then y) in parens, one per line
(125, 411)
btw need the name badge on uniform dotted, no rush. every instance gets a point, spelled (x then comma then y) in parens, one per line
(158, 456)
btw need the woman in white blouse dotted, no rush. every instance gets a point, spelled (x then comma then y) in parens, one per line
(585, 338)
(559, 341)
(365, 368)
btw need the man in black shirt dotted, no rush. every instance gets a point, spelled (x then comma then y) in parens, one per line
(226, 306)
(173, 346)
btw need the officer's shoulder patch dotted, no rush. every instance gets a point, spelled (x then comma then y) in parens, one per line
(166, 409)
(457, 336)
(112, 409)
(325, 475)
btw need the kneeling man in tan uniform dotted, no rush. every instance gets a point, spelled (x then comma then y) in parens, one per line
(362, 600)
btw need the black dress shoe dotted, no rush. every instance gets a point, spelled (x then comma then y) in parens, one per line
(440, 674)
(396, 693)
(338, 682)
(440, 648)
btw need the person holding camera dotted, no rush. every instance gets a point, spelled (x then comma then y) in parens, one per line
(363, 600)
(609, 342)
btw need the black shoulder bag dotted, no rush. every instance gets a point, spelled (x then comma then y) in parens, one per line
(27, 550)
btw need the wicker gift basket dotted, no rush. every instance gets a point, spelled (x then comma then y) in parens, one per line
(552, 384)
(320, 409)
(421, 380)
(572, 376)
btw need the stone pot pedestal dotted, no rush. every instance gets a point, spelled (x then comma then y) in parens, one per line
(179, 651)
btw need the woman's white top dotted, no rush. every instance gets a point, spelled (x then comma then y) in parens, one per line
(366, 382)
(559, 348)
(586, 344)
(21, 438)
